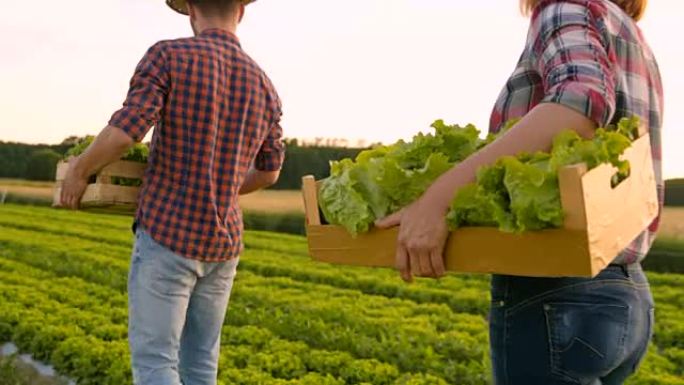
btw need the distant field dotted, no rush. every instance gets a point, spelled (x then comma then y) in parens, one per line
(673, 223)
(28, 192)
(273, 201)
(26, 188)
(268, 201)
(24, 183)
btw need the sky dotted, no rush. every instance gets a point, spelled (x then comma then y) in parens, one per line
(377, 70)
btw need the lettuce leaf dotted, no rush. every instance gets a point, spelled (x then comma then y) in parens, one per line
(386, 179)
(339, 199)
(534, 194)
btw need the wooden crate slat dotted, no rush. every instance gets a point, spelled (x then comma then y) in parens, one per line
(62, 168)
(333, 244)
(124, 169)
(56, 194)
(547, 253)
(311, 200)
(616, 216)
(103, 193)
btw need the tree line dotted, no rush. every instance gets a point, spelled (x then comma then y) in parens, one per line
(29, 161)
(39, 161)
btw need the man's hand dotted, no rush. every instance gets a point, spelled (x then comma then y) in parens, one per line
(422, 237)
(73, 186)
(105, 149)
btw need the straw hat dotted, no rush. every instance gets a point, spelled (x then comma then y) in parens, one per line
(181, 6)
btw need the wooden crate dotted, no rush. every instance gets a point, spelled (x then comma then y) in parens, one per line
(600, 221)
(102, 193)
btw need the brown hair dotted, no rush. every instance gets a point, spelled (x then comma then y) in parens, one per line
(634, 8)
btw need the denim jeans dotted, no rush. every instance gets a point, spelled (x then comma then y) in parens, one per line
(553, 331)
(176, 309)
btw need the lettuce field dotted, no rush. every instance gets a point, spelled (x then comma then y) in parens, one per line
(63, 299)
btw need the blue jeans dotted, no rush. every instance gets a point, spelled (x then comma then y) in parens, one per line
(562, 331)
(176, 309)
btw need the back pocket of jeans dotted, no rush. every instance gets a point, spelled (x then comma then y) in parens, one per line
(586, 340)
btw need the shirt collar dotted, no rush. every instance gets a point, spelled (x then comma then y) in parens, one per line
(220, 34)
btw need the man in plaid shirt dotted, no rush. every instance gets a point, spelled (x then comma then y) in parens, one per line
(217, 136)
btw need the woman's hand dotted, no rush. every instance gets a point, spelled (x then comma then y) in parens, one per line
(422, 237)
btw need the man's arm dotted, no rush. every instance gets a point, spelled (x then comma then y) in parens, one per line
(267, 164)
(107, 147)
(256, 180)
(142, 110)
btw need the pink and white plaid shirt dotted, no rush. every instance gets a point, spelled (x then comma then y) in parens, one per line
(590, 56)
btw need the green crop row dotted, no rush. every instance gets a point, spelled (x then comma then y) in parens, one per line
(263, 257)
(42, 312)
(362, 335)
(49, 316)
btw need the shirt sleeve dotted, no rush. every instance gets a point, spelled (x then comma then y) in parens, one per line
(574, 58)
(271, 155)
(146, 96)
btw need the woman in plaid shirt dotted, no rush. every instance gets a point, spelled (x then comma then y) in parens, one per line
(585, 64)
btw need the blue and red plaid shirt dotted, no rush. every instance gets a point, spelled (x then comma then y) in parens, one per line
(590, 56)
(215, 114)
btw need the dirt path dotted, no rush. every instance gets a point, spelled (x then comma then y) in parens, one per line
(27, 371)
(672, 225)
(27, 191)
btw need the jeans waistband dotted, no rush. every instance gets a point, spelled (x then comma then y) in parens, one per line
(626, 268)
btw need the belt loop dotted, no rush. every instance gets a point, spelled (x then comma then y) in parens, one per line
(625, 269)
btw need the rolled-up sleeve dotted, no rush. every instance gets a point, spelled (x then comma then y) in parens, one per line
(271, 155)
(144, 103)
(574, 58)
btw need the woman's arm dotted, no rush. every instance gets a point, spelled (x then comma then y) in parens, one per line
(423, 225)
(535, 132)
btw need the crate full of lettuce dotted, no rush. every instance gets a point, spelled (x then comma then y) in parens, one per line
(566, 212)
(116, 186)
